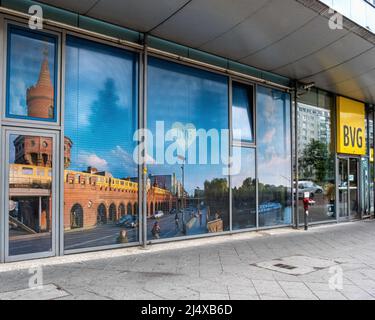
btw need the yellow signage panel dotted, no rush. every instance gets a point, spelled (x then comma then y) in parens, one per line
(351, 130)
(372, 155)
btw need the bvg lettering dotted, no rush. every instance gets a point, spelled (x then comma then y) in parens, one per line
(353, 137)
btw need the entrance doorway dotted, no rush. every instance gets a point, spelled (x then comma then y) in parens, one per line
(30, 194)
(348, 188)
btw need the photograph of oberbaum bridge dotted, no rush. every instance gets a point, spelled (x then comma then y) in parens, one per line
(98, 207)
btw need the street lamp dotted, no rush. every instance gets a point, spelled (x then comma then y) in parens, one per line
(183, 179)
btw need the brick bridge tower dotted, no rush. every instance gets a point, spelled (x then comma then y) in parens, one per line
(40, 104)
(40, 98)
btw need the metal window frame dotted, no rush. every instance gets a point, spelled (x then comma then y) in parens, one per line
(6, 133)
(295, 165)
(230, 150)
(142, 175)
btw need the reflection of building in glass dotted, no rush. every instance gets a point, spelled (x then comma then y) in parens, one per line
(162, 181)
(91, 197)
(37, 151)
(30, 186)
(40, 98)
(314, 124)
(168, 182)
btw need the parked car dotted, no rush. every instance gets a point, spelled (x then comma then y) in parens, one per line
(127, 221)
(158, 214)
(308, 186)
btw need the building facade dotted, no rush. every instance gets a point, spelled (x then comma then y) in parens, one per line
(113, 137)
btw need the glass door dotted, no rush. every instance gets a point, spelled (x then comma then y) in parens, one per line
(348, 185)
(354, 208)
(30, 194)
(343, 188)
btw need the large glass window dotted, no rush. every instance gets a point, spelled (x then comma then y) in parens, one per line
(100, 178)
(274, 157)
(316, 154)
(31, 75)
(188, 188)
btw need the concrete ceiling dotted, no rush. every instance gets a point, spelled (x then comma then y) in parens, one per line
(289, 37)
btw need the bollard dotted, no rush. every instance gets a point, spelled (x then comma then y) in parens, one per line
(306, 204)
(123, 237)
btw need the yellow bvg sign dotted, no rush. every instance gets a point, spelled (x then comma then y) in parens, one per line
(351, 129)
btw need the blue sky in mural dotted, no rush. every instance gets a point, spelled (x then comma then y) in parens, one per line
(26, 56)
(100, 107)
(177, 93)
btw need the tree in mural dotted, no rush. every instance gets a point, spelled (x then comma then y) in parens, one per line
(216, 195)
(245, 194)
(315, 162)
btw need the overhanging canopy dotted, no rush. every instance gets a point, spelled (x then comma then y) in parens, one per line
(289, 37)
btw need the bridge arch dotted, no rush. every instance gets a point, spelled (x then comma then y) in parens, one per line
(76, 217)
(129, 209)
(112, 216)
(121, 210)
(101, 217)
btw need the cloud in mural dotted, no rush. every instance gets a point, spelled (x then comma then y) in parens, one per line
(124, 161)
(18, 98)
(269, 110)
(92, 160)
(276, 171)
